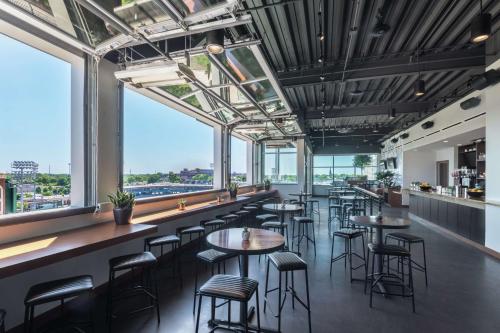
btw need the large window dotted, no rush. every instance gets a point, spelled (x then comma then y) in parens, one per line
(329, 168)
(238, 160)
(165, 151)
(35, 134)
(280, 165)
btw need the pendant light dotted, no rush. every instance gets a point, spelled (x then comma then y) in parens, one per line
(419, 87)
(480, 28)
(215, 41)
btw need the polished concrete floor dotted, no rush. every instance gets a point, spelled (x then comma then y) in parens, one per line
(463, 294)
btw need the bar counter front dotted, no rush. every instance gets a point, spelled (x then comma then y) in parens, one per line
(462, 216)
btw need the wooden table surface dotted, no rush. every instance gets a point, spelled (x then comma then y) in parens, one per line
(261, 241)
(387, 222)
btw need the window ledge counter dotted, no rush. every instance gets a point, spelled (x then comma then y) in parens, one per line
(463, 217)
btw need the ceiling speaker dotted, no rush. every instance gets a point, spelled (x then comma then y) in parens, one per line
(394, 140)
(427, 124)
(470, 103)
(486, 79)
(404, 136)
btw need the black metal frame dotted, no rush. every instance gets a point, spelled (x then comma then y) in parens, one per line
(348, 254)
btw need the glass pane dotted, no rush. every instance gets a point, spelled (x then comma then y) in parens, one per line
(187, 7)
(201, 67)
(261, 90)
(71, 18)
(274, 107)
(344, 160)
(288, 168)
(270, 169)
(238, 160)
(242, 64)
(322, 161)
(342, 173)
(322, 176)
(178, 90)
(138, 13)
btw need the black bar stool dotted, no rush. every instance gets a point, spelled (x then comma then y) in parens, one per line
(389, 278)
(304, 224)
(57, 290)
(252, 213)
(278, 226)
(266, 217)
(167, 240)
(408, 239)
(197, 230)
(334, 211)
(213, 224)
(313, 207)
(242, 217)
(348, 235)
(143, 262)
(287, 262)
(230, 219)
(211, 257)
(229, 288)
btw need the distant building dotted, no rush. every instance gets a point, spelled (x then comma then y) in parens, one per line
(187, 175)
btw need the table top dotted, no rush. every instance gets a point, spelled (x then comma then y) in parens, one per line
(300, 194)
(349, 197)
(281, 207)
(386, 223)
(261, 241)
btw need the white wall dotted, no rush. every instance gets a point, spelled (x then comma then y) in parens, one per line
(420, 166)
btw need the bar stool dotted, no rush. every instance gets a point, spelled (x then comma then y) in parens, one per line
(313, 206)
(408, 239)
(388, 278)
(242, 216)
(304, 224)
(266, 217)
(287, 262)
(336, 209)
(51, 291)
(213, 224)
(145, 263)
(197, 230)
(278, 226)
(211, 257)
(228, 218)
(174, 241)
(348, 235)
(252, 213)
(229, 288)
(2, 320)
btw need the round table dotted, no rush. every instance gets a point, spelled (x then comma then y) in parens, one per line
(282, 209)
(387, 222)
(300, 195)
(230, 241)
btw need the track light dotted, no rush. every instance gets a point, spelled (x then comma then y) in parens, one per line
(321, 59)
(321, 36)
(215, 41)
(393, 113)
(419, 87)
(480, 27)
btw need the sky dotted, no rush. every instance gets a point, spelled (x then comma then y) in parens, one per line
(35, 107)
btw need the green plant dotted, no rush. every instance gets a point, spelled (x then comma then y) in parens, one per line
(182, 202)
(233, 187)
(122, 199)
(361, 161)
(267, 182)
(386, 177)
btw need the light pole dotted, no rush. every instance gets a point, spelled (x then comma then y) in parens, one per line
(21, 171)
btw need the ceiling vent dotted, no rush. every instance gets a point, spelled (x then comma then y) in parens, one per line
(427, 124)
(470, 103)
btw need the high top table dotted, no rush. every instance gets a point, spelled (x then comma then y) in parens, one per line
(282, 209)
(387, 222)
(300, 195)
(230, 241)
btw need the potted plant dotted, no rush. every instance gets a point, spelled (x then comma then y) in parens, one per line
(123, 203)
(386, 177)
(267, 184)
(245, 234)
(181, 204)
(233, 190)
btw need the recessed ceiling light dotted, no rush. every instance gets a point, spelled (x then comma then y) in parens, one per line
(445, 141)
(459, 144)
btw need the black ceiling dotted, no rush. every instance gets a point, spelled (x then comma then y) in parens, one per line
(429, 38)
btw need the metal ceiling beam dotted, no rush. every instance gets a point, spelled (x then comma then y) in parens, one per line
(384, 68)
(369, 110)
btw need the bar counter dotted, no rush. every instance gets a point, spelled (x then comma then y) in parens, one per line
(463, 216)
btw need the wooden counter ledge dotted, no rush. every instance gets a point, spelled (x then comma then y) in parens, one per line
(32, 253)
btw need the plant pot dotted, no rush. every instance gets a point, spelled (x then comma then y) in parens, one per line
(122, 215)
(245, 234)
(182, 207)
(233, 194)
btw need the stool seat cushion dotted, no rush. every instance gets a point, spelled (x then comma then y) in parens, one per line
(192, 230)
(242, 212)
(213, 256)
(303, 219)
(287, 261)
(388, 250)
(132, 261)
(405, 237)
(266, 217)
(348, 233)
(229, 287)
(55, 290)
(229, 216)
(214, 222)
(274, 224)
(312, 200)
(250, 208)
(162, 240)
(335, 206)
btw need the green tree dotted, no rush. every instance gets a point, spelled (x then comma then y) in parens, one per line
(173, 178)
(361, 161)
(154, 178)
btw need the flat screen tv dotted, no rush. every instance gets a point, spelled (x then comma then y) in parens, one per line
(391, 163)
(383, 165)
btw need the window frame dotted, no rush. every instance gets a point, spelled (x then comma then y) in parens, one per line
(277, 154)
(78, 137)
(333, 166)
